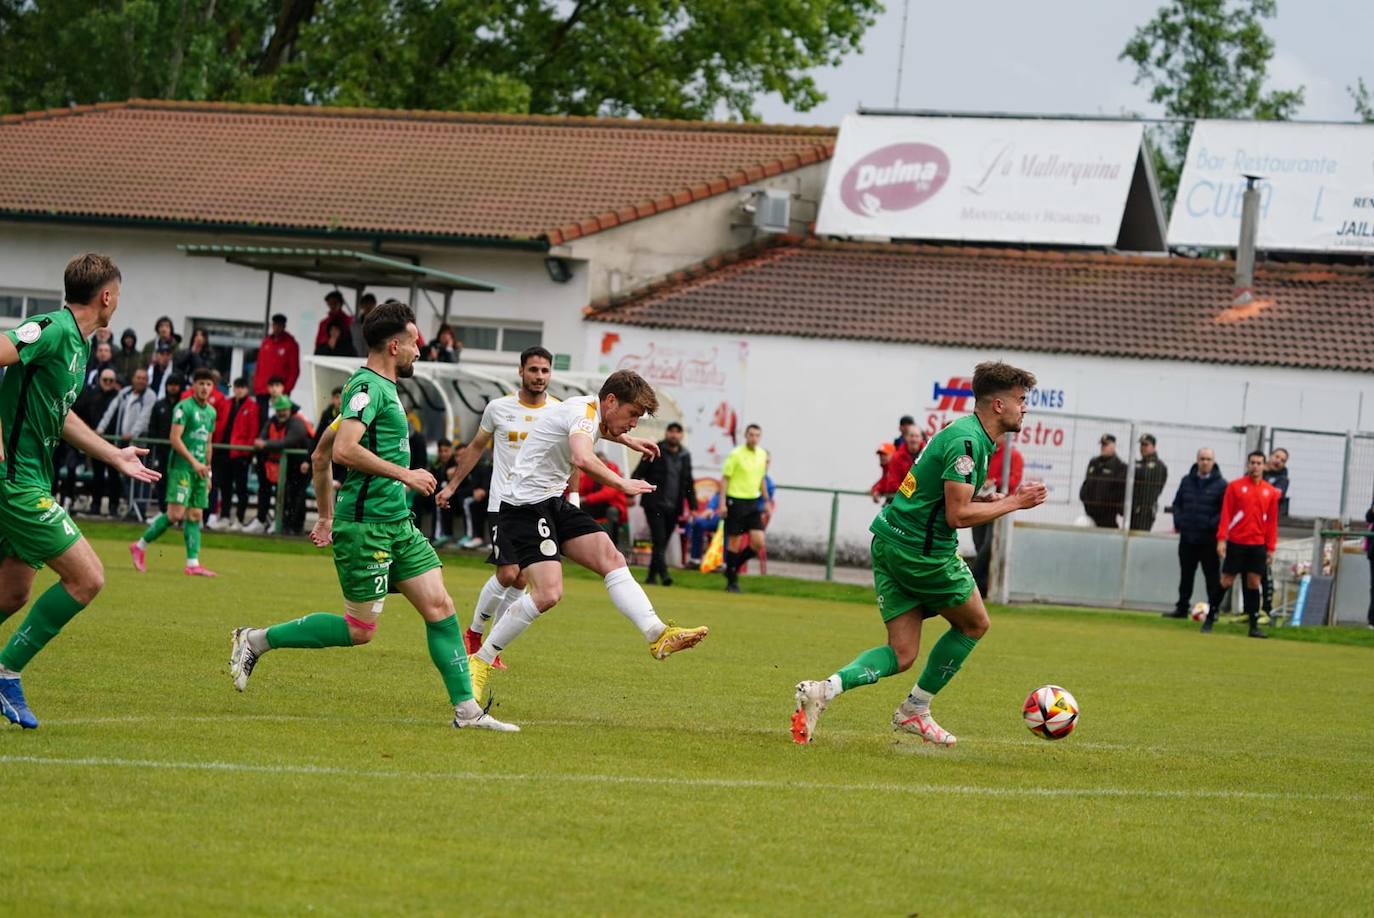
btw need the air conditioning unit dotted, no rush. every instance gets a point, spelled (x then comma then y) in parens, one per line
(770, 209)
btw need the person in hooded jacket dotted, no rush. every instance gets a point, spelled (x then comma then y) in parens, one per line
(1197, 511)
(128, 357)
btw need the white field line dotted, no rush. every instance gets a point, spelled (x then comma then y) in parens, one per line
(642, 780)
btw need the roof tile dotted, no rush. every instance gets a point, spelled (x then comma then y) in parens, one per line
(366, 170)
(1305, 316)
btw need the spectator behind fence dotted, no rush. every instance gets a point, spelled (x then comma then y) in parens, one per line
(1247, 534)
(161, 369)
(102, 358)
(366, 303)
(1276, 474)
(336, 315)
(128, 357)
(284, 430)
(902, 461)
(336, 343)
(885, 453)
(473, 495)
(906, 423)
(605, 504)
(1103, 491)
(243, 425)
(1151, 474)
(1197, 513)
(331, 411)
(91, 406)
(128, 415)
(701, 527)
(279, 357)
(445, 348)
(198, 355)
(434, 522)
(160, 428)
(982, 535)
(163, 333)
(102, 336)
(675, 492)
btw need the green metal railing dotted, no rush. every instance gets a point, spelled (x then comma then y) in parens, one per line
(834, 517)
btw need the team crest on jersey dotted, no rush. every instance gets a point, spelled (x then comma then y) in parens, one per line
(908, 485)
(43, 503)
(359, 401)
(379, 555)
(964, 465)
(28, 332)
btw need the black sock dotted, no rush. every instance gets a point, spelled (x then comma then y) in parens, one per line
(1252, 601)
(745, 555)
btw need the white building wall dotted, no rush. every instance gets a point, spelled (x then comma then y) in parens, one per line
(825, 406)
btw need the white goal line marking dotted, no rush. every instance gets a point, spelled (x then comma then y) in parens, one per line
(732, 783)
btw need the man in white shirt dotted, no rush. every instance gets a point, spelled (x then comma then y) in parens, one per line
(538, 525)
(505, 424)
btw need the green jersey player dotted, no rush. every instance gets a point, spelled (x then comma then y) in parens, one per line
(188, 475)
(376, 544)
(47, 357)
(917, 571)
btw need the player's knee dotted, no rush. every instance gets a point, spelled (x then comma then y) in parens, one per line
(509, 577)
(547, 598)
(906, 657)
(176, 513)
(195, 514)
(12, 599)
(86, 585)
(977, 627)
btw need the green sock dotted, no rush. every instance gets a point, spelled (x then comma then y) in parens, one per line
(191, 532)
(450, 658)
(316, 630)
(156, 528)
(868, 667)
(944, 661)
(52, 610)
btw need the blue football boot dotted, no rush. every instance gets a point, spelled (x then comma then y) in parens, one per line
(13, 705)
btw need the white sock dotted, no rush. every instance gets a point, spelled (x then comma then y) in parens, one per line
(257, 641)
(6, 673)
(919, 698)
(836, 685)
(193, 562)
(468, 710)
(487, 601)
(629, 597)
(141, 544)
(519, 617)
(508, 599)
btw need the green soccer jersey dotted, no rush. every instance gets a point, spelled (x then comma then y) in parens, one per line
(915, 519)
(371, 398)
(38, 392)
(198, 426)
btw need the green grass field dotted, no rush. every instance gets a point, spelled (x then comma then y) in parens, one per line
(1215, 774)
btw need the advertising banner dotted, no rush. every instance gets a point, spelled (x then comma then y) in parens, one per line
(1316, 188)
(980, 179)
(704, 374)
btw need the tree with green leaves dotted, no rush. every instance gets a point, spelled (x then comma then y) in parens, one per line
(653, 58)
(1206, 59)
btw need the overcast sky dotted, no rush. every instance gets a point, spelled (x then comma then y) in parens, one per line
(1060, 56)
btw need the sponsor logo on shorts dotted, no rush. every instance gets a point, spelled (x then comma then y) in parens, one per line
(548, 547)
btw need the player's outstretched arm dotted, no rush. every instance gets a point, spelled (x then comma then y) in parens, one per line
(468, 457)
(585, 461)
(962, 511)
(127, 460)
(349, 451)
(648, 448)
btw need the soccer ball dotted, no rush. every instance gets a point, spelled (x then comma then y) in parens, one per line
(1050, 712)
(1199, 612)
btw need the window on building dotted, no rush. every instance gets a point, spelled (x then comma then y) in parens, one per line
(505, 338)
(20, 304)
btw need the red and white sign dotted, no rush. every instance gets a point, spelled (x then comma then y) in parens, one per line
(985, 179)
(705, 375)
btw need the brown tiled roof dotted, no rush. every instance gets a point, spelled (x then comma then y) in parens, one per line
(366, 171)
(1312, 316)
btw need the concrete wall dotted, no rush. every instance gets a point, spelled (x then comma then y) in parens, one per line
(624, 258)
(825, 405)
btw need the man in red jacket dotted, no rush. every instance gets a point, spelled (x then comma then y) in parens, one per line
(902, 461)
(278, 355)
(604, 502)
(242, 426)
(1247, 535)
(334, 300)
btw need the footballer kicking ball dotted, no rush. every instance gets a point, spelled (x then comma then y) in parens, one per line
(1050, 712)
(1199, 612)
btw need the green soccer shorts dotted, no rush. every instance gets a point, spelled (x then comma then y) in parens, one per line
(187, 488)
(33, 526)
(906, 580)
(370, 557)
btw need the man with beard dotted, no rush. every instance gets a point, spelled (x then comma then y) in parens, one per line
(917, 571)
(375, 544)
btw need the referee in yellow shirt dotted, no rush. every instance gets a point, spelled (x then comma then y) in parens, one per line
(742, 484)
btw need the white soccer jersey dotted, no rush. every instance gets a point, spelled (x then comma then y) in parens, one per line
(545, 461)
(509, 421)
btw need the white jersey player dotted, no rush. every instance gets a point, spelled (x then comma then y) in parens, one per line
(539, 525)
(505, 424)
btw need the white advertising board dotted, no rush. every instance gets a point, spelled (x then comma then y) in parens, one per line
(1316, 193)
(980, 179)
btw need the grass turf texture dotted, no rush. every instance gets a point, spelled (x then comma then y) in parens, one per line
(1207, 773)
